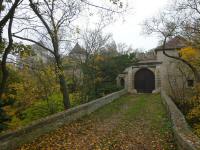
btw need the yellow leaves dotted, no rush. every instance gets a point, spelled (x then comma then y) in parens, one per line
(16, 86)
(99, 79)
(100, 58)
(191, 55)
(197, 87)
(23, 91)
(193, 114)
(111, 129)
(197, 129)
(24, 54)
(4, 96)
(188, 51)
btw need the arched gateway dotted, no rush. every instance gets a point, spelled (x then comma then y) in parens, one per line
(153, 70)
(144, 81)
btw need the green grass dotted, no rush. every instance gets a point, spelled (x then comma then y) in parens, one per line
(144, 106)
(43, 108)
(129, 122)
(112, 108)
(38, 110)
(137, 107)
(144, 109)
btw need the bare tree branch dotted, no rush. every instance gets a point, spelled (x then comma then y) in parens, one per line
(7, 16)
(35, 42)
(100, 7)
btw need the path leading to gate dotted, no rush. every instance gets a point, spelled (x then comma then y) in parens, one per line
(132, 122)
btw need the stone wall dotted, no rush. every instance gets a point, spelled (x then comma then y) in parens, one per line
(130, 81)
(149, 55)
(184, 137)
(26, 134)
(173, 73)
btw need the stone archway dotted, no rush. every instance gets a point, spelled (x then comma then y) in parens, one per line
(144, 81)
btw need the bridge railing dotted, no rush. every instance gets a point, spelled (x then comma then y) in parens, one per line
(184, 137)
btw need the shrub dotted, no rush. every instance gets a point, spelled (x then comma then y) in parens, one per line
(193, 115)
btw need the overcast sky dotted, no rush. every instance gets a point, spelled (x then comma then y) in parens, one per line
(130, 31)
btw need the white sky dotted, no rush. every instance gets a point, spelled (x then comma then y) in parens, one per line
(130, 31)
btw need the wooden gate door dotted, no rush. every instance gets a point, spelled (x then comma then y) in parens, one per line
(144, 81)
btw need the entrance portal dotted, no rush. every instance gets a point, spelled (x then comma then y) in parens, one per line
(144, 81)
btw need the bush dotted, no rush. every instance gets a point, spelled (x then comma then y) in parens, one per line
(39, 109)
(76, 99)
(193, 114)
(43, 108)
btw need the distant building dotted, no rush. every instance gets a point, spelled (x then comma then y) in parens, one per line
(40, 54)
(30, 57)
(155, 71)
(71, 64)
(78, 53)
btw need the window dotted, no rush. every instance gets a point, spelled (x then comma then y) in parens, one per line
(190, 83)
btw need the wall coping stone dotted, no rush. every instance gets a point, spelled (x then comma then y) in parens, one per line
(184, 137)
(13, 139)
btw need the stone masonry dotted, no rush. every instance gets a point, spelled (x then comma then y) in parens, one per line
(160, 65)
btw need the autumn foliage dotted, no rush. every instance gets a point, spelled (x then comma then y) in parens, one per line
(192, 55)
(190, 104)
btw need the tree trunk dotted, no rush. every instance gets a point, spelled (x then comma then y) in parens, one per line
(63, 83)
(9, 15)
(53, 33)
(4, 78)
(63, 89)
(4, 59)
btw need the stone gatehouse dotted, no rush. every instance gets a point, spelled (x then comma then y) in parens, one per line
(154, 70)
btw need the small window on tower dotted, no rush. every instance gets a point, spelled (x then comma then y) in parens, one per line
(190, 83)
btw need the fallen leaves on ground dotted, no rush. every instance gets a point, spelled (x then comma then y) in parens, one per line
(113, 130)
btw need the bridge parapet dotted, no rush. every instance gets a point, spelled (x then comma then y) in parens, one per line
(184, 137)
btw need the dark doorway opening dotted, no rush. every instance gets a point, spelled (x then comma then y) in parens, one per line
(144, 81)
(122, 82)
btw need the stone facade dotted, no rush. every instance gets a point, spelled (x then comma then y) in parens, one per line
(129, 77)
(167, 71)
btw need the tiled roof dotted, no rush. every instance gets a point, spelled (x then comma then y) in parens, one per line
(77, 50)
(174, 43)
